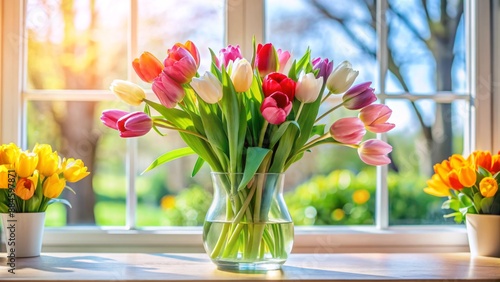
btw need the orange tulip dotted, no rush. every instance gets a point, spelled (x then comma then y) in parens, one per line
(482, 159)
(454, 180)
(147, 67)
(467, 175)
(495, 163)
(25, 188)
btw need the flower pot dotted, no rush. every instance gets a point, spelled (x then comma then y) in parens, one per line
(249, 227)
(483, 231)
(23, 233)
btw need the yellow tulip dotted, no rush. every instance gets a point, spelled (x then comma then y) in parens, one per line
(241, 75)
(9, 153)
(48, 161)
(74, 170)
(467, 175)
(25, 188)
(26, 164)
(53, 186)
(4, 177)
(488, 187)
(128, 92)
(437, 187)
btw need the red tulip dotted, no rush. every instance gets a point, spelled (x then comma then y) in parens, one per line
(374, 152)
(134, 124)
(276, 108)
(168, 91)
(359, 96)
(110, 117)
(278, 82)
(266, 59)
(375, 118)
(147, 67)
(180, 65)
(348, 130)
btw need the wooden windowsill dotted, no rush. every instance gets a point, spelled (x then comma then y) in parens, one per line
(299, 267)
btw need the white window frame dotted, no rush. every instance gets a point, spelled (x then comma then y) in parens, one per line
(246, 19)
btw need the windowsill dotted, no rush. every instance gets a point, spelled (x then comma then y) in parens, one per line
(303, 267)
(352, 239)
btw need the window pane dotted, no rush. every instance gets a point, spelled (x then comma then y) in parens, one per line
(69, 46)
(426, 47)
(73, 129)
(416, 148)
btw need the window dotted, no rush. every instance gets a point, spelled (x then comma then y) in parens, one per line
(59, 72)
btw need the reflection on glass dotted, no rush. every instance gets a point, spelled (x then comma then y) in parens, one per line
(73, 129)
(414, 154)
(69, 46)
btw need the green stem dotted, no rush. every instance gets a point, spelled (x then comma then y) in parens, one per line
(329, 111)
(263, 133)
(299, 111)
(326, 96)
(159, 123)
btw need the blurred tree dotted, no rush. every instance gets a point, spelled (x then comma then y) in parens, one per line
(440, 27)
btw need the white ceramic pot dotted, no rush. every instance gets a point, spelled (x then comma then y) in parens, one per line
(23, 233)
(483, 231)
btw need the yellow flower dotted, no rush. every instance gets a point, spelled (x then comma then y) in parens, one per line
(9, 153)
(26, 164)
(25, 188)
(167, 202)
(53, 186)
(241, 75)
(4, 177)
(360, 196)
(48, 161)
(436, 187)
(467, 175)
(488, 187)
(128, 92)
(74, 170)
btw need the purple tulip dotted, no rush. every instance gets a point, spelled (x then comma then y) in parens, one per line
(276, 107)
(168, 91)
(359, 96)
(374, 152)
(110, 117)
(348, 130)
(230, 53)
(324, 66)
(134, 124)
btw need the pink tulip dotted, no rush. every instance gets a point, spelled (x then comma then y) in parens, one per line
(230, 53)
(348, 130)
(189, 45)
(359, 96)
(134, 124)
(168, 91)
(324, 66)
(266, 59)
(276, 81)
(374, 152)
(147, 67)
(375, 118)
(110, 117)
(276, 108)
(284, 61)
(180, 65)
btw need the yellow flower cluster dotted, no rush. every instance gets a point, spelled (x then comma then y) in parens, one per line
(39, 175)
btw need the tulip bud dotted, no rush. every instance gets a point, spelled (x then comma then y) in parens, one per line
(53, 186)
(48, 161)
(74, 170)
(276, 108)
(9, 153)
(4, 177)
(324, 66)
(241, 75)
(168, 91)
(285, 62)
(276, 81)
(229, 54)
(375, 118)
(180, 65)
(308, 88)
(147, 67)
(266, 59)
(25, 187)
(359, 96)
(110, 117)
(134, 124)
(26, 164)
(348, 130)
(374, 152)
(488, 187)
(128, 92)
(208, 87)
(191, 48)
(341, 78)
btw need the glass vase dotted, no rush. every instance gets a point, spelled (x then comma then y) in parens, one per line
(248, 226)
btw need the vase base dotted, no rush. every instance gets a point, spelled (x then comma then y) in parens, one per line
(249, 266)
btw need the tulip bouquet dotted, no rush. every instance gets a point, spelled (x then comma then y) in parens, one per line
(249, 116)
(470, 184)
(32, 180)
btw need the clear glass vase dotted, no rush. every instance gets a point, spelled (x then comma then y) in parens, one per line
(248, 226)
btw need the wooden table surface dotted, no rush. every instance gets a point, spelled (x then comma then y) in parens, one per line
(299, 267)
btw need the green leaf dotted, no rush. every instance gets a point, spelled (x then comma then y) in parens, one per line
(255, 156)
(62, 201)
(197, 166)
(231, 111)
(486, 205)
(318, 130)
(169, 156)
(281, 130)
(477, 201)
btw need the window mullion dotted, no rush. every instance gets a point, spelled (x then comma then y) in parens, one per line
(382, 193)
(244, 20)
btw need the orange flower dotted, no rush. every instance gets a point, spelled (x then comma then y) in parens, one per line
(454, 180)
(25, 188)
(482, 159)
(488, 187)
(467, 175)
(495, 163)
